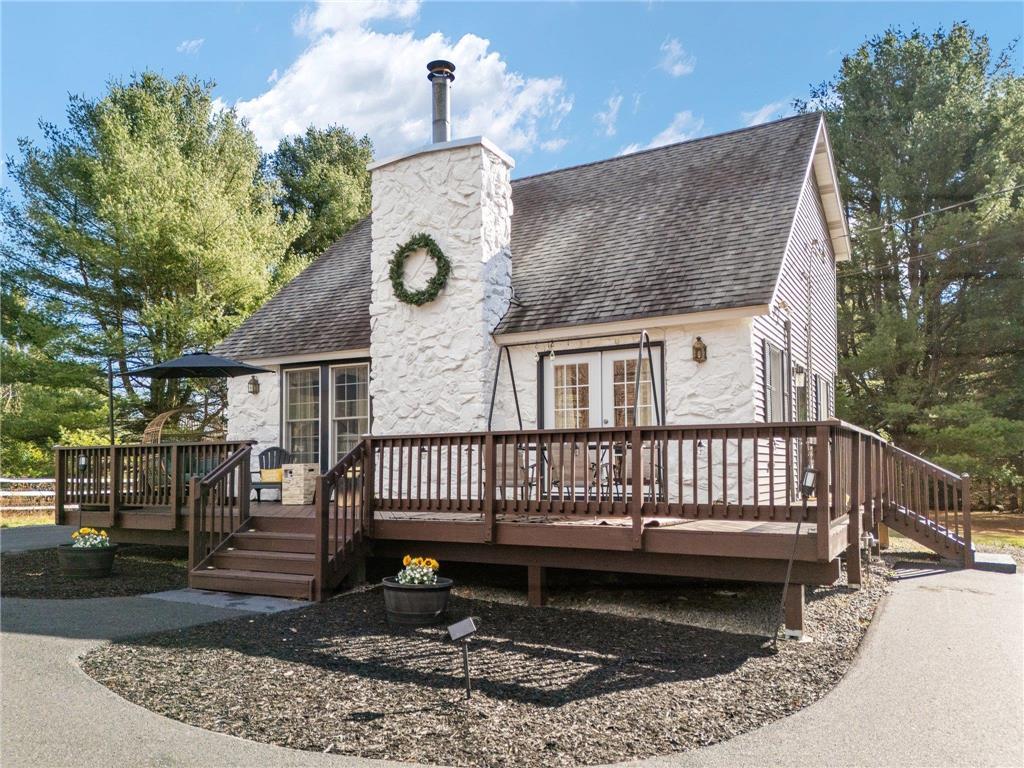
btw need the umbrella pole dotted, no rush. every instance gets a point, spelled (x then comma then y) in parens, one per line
(110, 399)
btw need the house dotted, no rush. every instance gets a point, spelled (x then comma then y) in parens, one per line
(626, 365)
(731, 239)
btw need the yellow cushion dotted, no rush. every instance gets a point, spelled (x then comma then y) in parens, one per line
(270, 475)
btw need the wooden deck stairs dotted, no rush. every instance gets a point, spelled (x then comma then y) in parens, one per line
(929, 533)
(232, 550)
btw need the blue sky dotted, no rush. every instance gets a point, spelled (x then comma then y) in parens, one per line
(555, 84)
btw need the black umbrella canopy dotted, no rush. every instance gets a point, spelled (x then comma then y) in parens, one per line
(198, 365)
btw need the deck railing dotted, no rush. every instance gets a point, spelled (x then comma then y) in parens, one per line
(218, 505)
(726, 472)
(118, 477)
(342, 514)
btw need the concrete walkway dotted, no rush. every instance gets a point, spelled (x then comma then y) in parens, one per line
(34, 537)
(939, 682)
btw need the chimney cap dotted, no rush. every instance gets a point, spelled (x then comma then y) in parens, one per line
(441, 68)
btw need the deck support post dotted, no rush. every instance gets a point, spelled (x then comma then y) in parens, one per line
(195, 536)
(883, 536)
(636, 508)
(60, 482)
(490, 481)
(794, 623)
(536, 576)
(113, 486)
(175, 485)
(823, 518)
(853, 564)
(966, 505)
(322, 536)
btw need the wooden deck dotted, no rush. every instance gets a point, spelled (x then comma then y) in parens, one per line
(708, 501)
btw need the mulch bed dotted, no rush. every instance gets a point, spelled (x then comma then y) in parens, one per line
(552, 687)
(137, 570)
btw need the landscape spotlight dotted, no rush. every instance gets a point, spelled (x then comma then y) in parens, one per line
(461, 631)
(808, 481)
(83, 462)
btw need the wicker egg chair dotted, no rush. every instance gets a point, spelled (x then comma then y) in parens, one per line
(183, 425)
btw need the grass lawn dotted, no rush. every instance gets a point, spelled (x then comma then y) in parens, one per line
(1005, 528)
(19, 519)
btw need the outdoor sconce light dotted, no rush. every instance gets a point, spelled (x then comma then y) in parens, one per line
(808, 481)
(461, 631)
(83, 462)
(700, 351)
(254, 386)
(799, 377)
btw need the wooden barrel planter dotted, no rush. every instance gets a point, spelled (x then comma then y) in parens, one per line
(86, 562)
(416, 605)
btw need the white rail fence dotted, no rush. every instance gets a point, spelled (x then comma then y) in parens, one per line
(23, 495)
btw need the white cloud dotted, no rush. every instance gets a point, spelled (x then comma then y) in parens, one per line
(636, 102)
(609, 116)
(272, 77)
(685, 125)
(768, 112)
(553, 145)
(674, 60)
(190, 46)
(375, 83)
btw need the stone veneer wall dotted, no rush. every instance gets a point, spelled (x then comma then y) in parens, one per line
(432, 365)
(255, 417)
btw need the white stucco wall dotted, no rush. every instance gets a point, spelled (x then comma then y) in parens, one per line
(720, 390)
(255, 417)
(431, 369)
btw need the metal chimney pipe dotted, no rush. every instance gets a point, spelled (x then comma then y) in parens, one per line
(442, 73)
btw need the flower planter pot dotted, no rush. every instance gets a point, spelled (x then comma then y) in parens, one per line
(416, 605)
(86, 562)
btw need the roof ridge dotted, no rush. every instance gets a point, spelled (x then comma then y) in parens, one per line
(668, 146)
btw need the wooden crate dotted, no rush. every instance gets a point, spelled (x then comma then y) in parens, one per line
(298, 482)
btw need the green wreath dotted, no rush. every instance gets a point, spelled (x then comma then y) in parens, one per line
(437, 282)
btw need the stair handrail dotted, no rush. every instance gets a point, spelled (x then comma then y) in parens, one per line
(342, 504)
(217, 491)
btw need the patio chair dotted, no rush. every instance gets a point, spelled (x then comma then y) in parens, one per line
(271, 460)
(569, 470)
(512, 471)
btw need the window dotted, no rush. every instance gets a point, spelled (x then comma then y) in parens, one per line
(822, 397)
(802, 411)
(624, 393)
(350, 407)
(572, 395)
(302, 415)
(774, 384)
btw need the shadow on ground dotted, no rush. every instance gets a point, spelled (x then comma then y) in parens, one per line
(541, 657)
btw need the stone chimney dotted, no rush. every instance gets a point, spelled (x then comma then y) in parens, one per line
(432, 365)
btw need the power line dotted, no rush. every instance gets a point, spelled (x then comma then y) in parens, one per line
(961, 204)
(922, 256)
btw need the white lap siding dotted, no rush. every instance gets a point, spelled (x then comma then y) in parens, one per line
(806, 297)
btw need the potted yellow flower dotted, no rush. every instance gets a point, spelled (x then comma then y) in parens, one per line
(90, 554)
(416, 596)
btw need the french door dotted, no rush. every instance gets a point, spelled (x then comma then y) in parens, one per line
(599, 389)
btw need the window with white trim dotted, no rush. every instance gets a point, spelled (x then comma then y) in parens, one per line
(350, 407)
(302, 415)
(774, 384)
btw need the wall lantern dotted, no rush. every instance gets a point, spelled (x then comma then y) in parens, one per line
(799, 377)
(700, 351)
(254, 386)
(808, 481)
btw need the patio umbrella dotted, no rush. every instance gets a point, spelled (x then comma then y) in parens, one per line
(198, 365)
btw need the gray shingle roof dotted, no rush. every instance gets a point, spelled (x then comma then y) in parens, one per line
(325, 308)
(689, 227)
